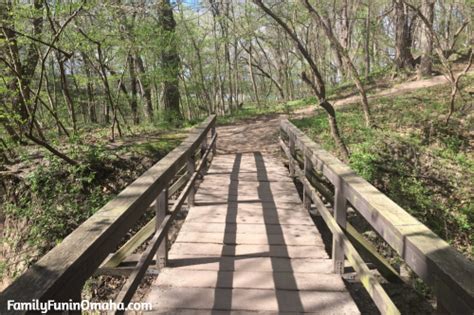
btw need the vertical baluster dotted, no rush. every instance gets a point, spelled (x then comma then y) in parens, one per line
(340, 215)
(191, 166)
(308, 166)
(161, 209)
(214, 147)
(203, 151)
(291, 145)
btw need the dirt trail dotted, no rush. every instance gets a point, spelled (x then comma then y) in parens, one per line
(250, 135)
(397, 89)
(261, 133)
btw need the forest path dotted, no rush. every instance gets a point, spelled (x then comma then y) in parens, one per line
(250, 135)
(261, 133)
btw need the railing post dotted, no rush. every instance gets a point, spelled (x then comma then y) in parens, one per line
(161, 209)
(306, 169)
(214, 146)
(191, 166)
(203, 150)
(291, 145)
(340, 215)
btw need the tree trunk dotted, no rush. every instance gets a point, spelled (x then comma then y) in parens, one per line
(145, 88)
(90, 93)
(426, 39)
(403, 56)
(367, 41)
(133, 88)
(252, 76)
(66, 93)
(170, 62)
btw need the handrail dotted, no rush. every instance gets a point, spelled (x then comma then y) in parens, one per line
(60, 274)
(448, 272)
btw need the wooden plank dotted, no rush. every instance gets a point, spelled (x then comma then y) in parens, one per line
(186, 250)
(131, 245)
(173, 300)
(249, 239)
(178, 184)
(268, 264)
(249, 228)
(428, 255)
(265, 280)
(77, 257)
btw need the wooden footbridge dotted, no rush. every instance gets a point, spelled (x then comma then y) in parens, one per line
(249, 243)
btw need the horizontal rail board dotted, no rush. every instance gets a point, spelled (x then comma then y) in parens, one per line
(430, 257)
(61, 273)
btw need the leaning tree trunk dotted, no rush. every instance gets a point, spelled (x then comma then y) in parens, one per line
(349, 65)
(318, 87)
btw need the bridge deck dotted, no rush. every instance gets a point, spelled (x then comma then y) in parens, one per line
(248, 245)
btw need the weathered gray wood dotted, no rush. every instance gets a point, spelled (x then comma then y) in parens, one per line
(202, 300)
(161, 210)
(128, 290)
(292, 152)
(131, 245)
(191, 167)
(280, 260)
(373, 287)
(178, 184)
(307, 167)
(431, 258)
(77, 257)
(214, 146)
(340, 215)
(355, 237)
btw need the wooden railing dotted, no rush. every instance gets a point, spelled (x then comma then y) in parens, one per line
(440, 266)
(62, 272)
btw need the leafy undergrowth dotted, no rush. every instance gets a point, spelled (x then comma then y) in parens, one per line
(423, 164)
(46, 199)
